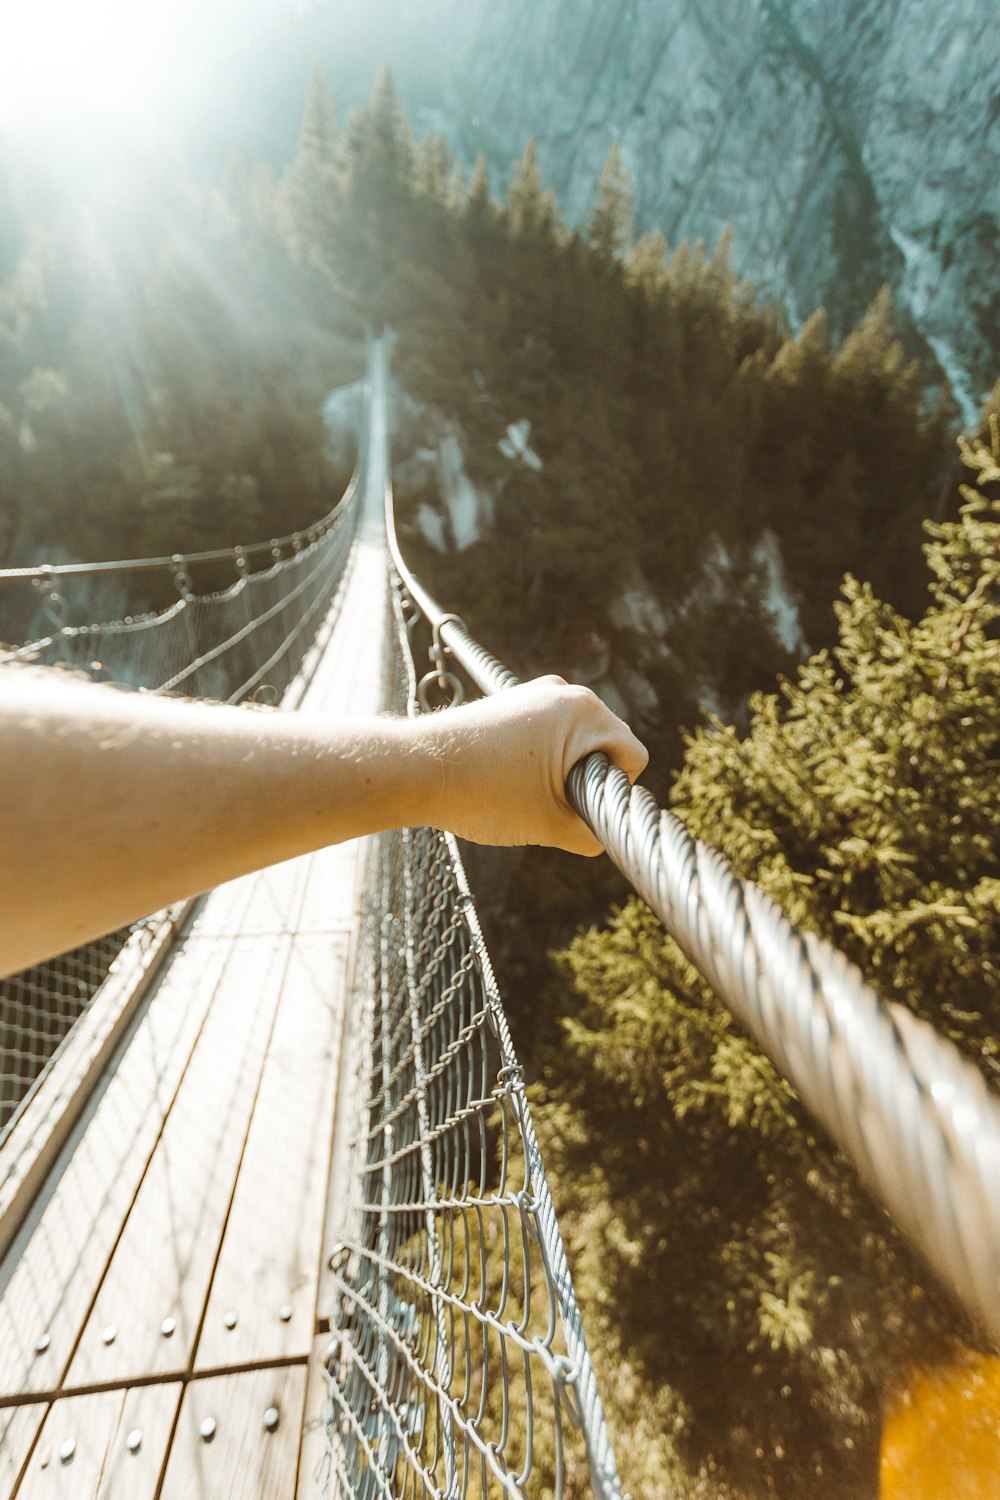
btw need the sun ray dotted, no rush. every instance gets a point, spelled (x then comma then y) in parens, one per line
(61, 61)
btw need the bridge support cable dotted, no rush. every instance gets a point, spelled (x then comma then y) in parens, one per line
(915, 1117)
(458, 1366)
(253, 639)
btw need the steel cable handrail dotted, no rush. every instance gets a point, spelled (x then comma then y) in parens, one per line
(294, 541)
(916, 1117)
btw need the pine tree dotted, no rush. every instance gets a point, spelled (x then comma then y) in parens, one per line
(610, 227)
(432, 169)
(389, 138)
(759, 1295)
(312, 187)
(478, 202)
(455, 190)
(532, 210)
(645, 264)
(320, 142)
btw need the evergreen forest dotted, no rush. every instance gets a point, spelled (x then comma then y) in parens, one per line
(758, 543)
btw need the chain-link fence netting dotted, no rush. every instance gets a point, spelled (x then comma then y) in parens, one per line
(245, 641)
(458, 1365)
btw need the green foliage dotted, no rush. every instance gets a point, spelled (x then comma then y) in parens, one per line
(723, 1247)
(610, 227)
(680, 427)
(532, 210)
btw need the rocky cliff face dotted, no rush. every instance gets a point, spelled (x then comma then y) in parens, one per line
(847, 144)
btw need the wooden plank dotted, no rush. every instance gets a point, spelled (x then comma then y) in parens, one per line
(221, 909)
(103, 1466)
(312, 1452)
(349, 678)
(244, 1460)
(267, 901)
(336, 1223)
(330, 899)
(19, 1427)
(163, 1263)
(58, 1259)
(269, 1265)
(47, 1118)
(317, 659)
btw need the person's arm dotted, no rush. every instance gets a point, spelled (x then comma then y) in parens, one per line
(115, 804)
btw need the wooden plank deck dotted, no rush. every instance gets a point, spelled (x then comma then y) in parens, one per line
(110, 1444)
(170, 1269)
(19, 1427)
(163, 1261)
(250, 1452)
(263, 1300)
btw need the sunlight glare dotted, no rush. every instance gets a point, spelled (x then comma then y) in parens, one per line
(81, 60)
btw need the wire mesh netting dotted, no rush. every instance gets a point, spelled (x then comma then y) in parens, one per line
(39, 1006)
(244, 642)
(458, 1366)
(227, 645)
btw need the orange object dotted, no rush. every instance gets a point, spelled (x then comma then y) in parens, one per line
(942, 1439)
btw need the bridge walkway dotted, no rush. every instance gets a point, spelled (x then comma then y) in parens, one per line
(161, 1307)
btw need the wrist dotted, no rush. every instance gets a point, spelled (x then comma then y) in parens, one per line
(398, 772)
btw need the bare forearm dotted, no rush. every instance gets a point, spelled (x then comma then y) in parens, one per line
(113, 804)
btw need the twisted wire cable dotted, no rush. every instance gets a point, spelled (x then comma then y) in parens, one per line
(915, 1116)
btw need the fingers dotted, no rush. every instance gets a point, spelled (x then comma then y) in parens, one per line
(508, 759)
(596, 727)
(590, 725)
(578, 839)
(623, 749)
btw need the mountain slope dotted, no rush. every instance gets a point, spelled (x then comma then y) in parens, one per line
(847, 145)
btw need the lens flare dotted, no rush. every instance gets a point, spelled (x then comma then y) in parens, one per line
(81, 60)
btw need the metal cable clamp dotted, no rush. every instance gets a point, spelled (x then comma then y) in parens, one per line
(445, 680)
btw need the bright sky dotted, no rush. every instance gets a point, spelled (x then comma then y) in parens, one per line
(111, 61)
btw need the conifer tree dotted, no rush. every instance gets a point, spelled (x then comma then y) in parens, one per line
(477, 194)
(645, 264)
(313, 185)
(455, 191)
(388, 136)
(610, 227)
(320, 143)
(759, 1295)
(432, 169)
(532, 210)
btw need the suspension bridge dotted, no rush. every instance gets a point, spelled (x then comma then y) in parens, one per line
(274, 1220)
